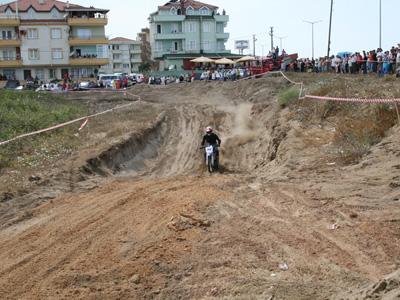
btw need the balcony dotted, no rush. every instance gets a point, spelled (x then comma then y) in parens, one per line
(170, 36)
(136, 60)
(83, 41)
(10, 42)
(90, 61)
(221, 18)
(10, 63)
(161, 53)
(12, 21)
(222, 36)
(168, 18)
(87, 21)
(136, 51)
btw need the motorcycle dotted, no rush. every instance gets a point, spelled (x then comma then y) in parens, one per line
(212, 159)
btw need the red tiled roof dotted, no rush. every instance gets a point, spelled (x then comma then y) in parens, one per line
(47, 6)
(186, 4)
(121, 39)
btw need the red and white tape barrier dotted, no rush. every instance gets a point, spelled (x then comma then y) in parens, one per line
(83, 124)
(86, 118)
(355, 100)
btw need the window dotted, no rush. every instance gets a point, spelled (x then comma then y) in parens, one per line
(57, 53)
(174, 28)
(54, 13)
(6, 35)
(40, 74)
(204, 11)
(8, 54)
(85, 34)
(116, 56)
(33, 33)
(159, 46)
(191, 27)
(102, 51)
(175, 46)
(220, 28)
(9, 73)
(31, 13)
(126, 66)
(221, 46)
(52, 73)
(115, 47)
(8, 13)
(173, 11)
(55, 33)
(206, 45)
(33, 54)
(190, 11)
(207, 27)
(192, 45)
(158, 28)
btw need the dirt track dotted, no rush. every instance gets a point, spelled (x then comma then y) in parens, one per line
(159, 227)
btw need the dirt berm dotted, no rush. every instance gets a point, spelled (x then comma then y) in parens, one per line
(286, 218)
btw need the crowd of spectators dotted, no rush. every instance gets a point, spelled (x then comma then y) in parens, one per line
(225, 74)
(375, 62)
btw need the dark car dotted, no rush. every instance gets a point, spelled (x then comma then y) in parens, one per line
(31, 86)
(12, 84)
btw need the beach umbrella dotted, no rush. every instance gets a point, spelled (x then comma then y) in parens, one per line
(202, 59)
(224, 61)
(246, 59)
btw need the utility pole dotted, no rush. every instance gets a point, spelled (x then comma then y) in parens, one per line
(271, 33)
(281, 38)
(254, 45)
(380, 23)
(330, 30)
(312, 34)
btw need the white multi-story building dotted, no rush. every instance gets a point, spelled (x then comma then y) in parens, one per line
(181, 30)
(48, 39)
(124, 56)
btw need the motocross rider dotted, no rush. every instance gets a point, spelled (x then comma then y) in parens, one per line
(210, 138)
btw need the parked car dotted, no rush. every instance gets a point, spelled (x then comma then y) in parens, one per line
(31, 86)
(139, 78)
(54, 87)
(12, 84)
(106, 80)
(87, 85)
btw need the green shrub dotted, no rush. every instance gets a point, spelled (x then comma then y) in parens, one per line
(288, 96)
(24, 112)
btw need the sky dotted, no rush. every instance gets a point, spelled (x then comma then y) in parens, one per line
(355, 24)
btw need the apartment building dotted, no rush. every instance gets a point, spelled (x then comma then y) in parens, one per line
(184, 29)
(47, 39)
(124, 56)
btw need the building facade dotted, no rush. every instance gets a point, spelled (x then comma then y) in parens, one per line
(183, 29)
(124, 56)
(47, 39)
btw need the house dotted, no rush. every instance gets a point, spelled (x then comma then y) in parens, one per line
(124, 56)
(47, 39)
(181, 30)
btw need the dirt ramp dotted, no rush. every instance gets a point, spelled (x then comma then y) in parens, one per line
(129, 156)
(385, 289)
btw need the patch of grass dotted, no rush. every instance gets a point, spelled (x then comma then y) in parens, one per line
(23, 112)
(288, 96)
(355, 136)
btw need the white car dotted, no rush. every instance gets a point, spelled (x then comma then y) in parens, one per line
(53, 87)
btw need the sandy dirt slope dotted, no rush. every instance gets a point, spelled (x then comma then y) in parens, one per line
(157, 226)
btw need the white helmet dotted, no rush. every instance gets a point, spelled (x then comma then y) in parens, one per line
(209, 129)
